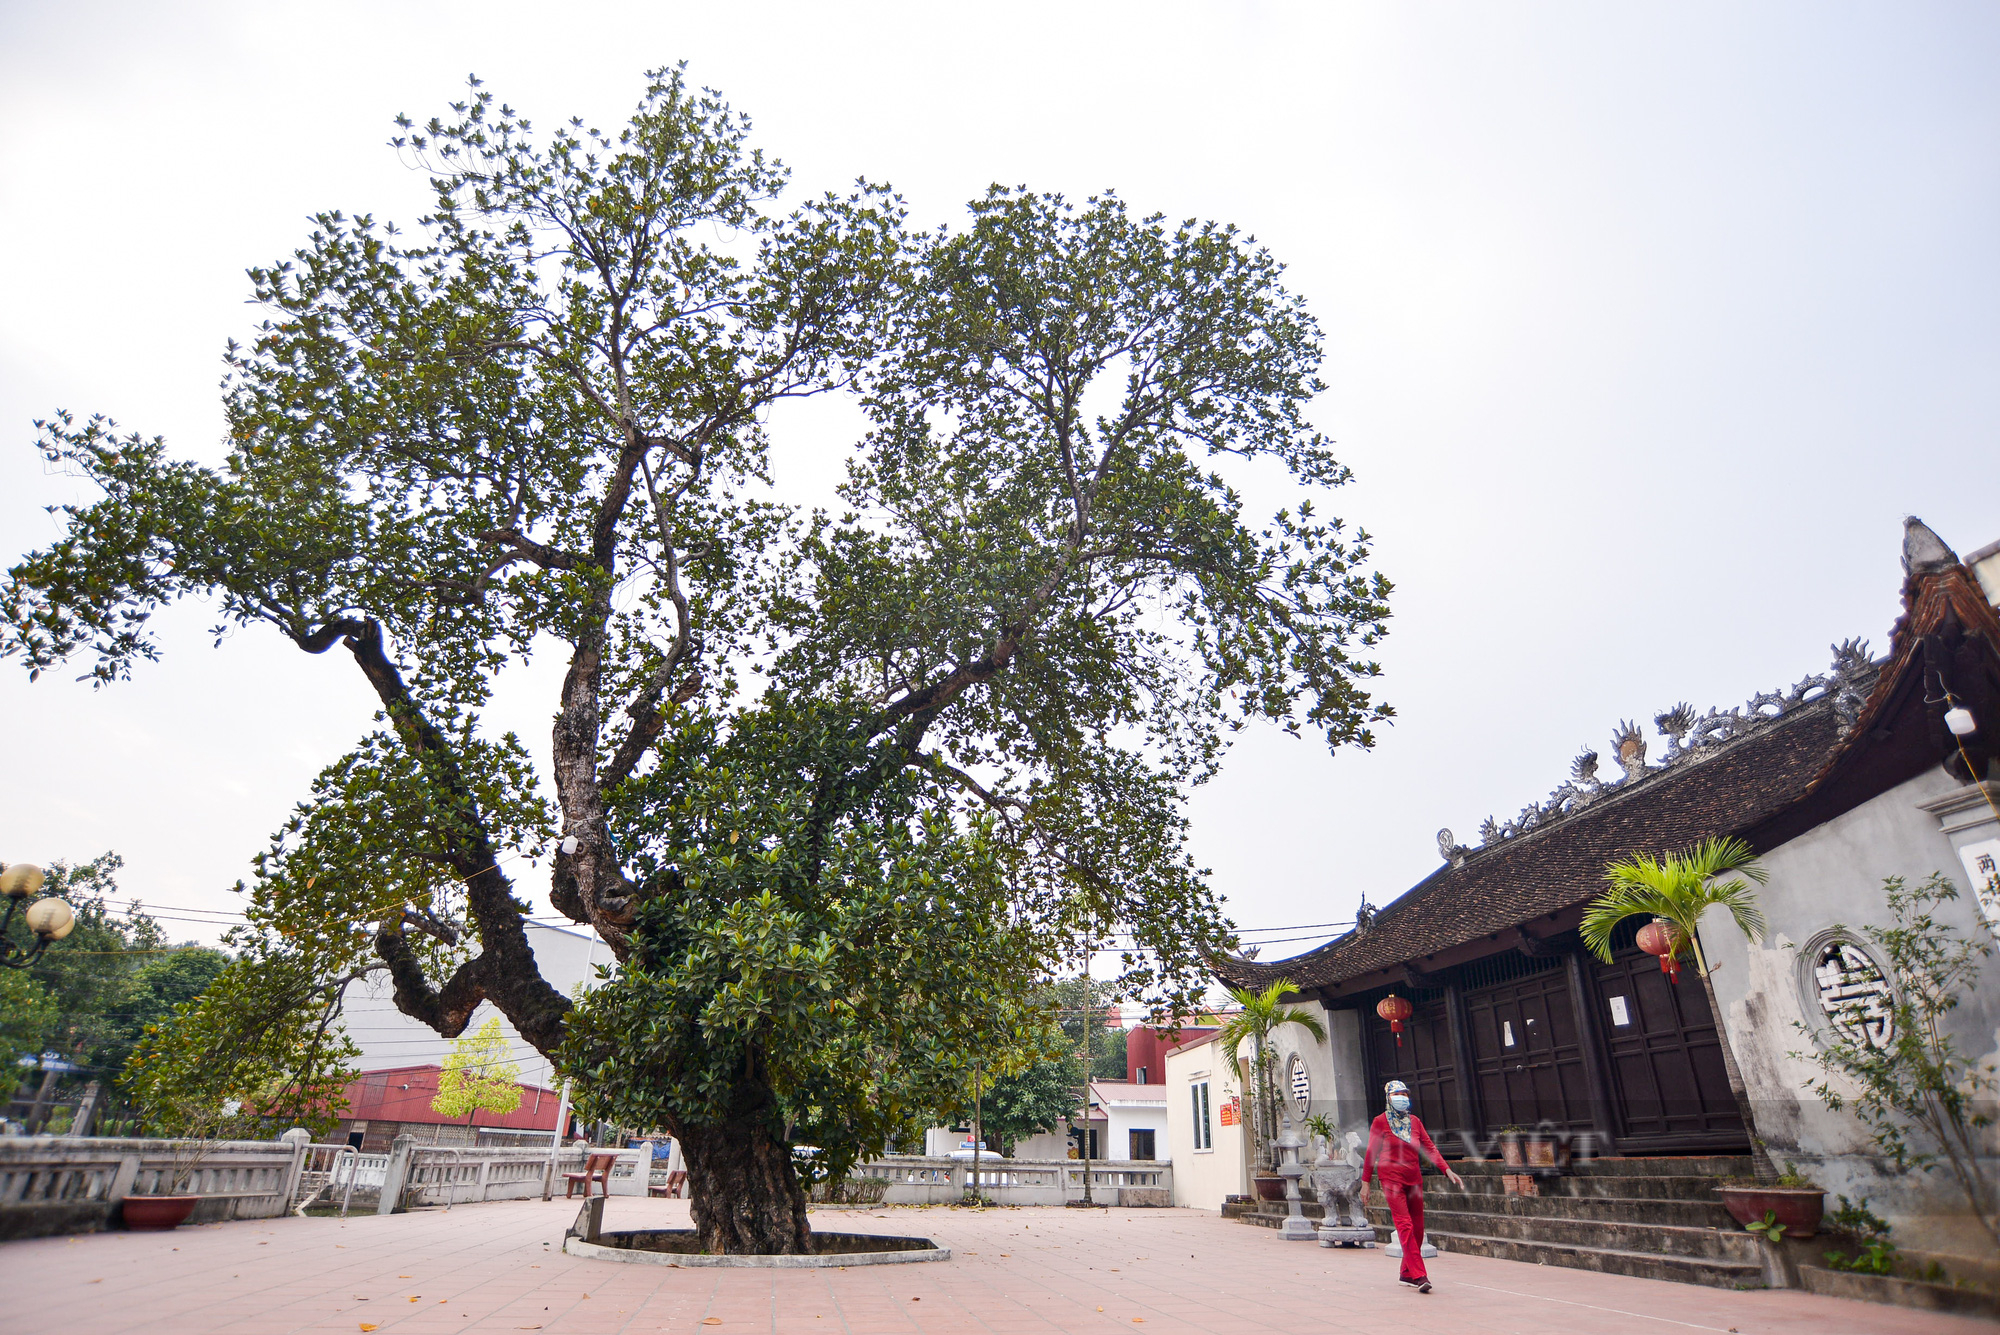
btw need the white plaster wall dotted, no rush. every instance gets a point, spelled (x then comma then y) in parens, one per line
(1333, 1067)
(1202, 1178)
(1832, 875)
(1121, 1117)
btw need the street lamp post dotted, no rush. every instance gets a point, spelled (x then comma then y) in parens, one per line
(49, 918)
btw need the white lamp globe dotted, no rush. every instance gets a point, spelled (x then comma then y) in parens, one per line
(20, 880)
(50, 918)
(1959, 719)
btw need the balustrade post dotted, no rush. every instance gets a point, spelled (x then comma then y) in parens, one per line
(394, 1173)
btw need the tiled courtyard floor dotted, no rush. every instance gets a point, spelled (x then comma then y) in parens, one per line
(499, 1267)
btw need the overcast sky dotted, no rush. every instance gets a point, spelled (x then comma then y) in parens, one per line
(1646, 324)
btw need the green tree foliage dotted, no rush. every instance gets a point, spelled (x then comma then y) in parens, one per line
(840, 781)
(1039, 1097)
(1921, 1098)
(1258, 1016)
(259, 1040)
(91, 995)
(478, 1076)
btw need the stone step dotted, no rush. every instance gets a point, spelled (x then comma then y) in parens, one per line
(1702, 1166)
(1732, 1244)
(1591, 1186)
(1610, 1209)
(1713, 1272)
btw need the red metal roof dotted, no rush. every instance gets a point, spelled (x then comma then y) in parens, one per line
(404, 1094)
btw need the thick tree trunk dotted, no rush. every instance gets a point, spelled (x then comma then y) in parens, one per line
(743, 1192)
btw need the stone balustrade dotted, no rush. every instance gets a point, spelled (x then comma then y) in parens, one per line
(74, 1184)
(915, 1179)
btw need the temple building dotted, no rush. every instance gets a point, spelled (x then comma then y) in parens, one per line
(1853, 775)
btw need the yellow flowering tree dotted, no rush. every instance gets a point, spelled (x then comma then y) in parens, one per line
(478, 1075)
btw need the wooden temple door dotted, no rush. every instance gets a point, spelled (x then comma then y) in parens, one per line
(1423, 1061)
(1671, 1085)
(1528, 1055)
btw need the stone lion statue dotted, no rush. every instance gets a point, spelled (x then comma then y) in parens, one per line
(1337, 1179)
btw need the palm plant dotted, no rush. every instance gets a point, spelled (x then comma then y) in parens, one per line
(1260, 1014)
(1678, 889)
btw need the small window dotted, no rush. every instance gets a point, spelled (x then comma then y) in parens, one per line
(1142, 1075)
(1301, 1082)
(1204, 1132)
(1141, 1144)
(1507, 1032)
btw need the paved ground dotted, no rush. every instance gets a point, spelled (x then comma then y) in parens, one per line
(1015, 1272)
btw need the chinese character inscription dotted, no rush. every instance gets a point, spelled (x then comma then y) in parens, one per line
(1854, 995)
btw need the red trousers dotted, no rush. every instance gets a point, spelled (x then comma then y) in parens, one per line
(1406, 1207)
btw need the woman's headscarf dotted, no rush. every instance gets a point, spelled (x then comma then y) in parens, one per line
(1399, 1122)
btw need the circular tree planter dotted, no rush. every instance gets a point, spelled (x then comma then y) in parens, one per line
(1799, 1209)
(682, 1247)
(158, 1212)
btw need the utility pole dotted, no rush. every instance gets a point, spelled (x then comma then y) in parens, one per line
(562, 1104)
(1090, 1022)
(978, 1139)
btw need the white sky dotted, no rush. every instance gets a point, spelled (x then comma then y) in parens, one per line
(1646, 325)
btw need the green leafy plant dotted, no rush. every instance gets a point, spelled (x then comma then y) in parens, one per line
(1767, 1228)
(1681, 888)
(1921, 1098)
(1793, 1180)
(1877, 1256)
(476, 1075)
(1260, 1015)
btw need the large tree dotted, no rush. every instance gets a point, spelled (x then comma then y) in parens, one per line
(836, 784)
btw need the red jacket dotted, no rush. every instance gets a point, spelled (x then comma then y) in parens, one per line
(1393, 1159)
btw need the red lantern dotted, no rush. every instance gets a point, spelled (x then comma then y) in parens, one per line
(1662, 938)
(1395, 1010)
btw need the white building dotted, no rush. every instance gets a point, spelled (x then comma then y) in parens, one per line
(568, 957)
(1206, 1136)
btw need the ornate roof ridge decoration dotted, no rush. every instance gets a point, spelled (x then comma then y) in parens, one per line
(1690, 737)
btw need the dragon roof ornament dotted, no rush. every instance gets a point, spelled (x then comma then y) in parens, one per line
(1689, 736)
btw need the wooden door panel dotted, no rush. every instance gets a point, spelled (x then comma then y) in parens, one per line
(1538, 1077)
(1666, 1059)
(1423, 1062)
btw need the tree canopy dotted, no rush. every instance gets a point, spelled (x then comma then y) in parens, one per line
(477, 1076)
(838, 782)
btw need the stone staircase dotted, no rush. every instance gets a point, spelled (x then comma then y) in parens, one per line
(1654, 1218)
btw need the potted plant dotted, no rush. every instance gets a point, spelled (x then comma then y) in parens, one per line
(198, 1127)
(1793, 1205)
(1261, 1014)
(1544, 1153)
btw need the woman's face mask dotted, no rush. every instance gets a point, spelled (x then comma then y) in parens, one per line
(1400, 1102)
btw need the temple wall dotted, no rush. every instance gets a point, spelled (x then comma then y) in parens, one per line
(1828, 878)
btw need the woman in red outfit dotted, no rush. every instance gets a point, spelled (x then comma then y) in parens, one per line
(1393, 1143)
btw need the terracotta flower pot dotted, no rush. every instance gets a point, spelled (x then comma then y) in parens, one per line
(1799, 1209)
(158, 1212)
(1511, 1153)
(1270, 1188)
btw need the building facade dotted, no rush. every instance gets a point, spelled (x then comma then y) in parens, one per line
(1206, 1133)
(1849, 777)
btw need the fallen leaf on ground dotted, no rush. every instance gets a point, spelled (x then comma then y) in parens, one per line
(96, 1281)
(415, 1296)
(366, 1326)
(1100, 1308)
(1140, 1320)
(711, 1321)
